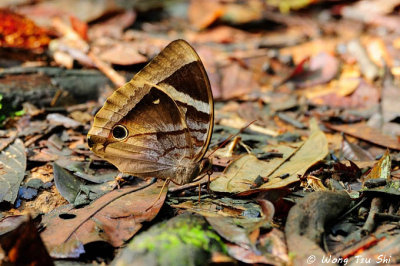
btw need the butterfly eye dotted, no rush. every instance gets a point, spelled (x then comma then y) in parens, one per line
(120, 132)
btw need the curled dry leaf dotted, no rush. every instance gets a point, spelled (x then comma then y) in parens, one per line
(352, 151)
(381, 169)
(364, 96)
(66, 183)
(344, 85)
(123, 53)
(12, 170)
(76, 190)
(113, 218)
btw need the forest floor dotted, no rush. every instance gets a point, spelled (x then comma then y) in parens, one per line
(304, 151)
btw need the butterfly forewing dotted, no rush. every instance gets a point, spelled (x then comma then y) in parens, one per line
(167, 109)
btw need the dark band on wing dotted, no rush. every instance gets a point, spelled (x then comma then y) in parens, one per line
(190, 80)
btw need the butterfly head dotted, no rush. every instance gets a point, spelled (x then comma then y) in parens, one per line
(96, 143)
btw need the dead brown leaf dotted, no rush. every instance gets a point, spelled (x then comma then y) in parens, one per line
(367, 133)
(113, 218)
(240, 175)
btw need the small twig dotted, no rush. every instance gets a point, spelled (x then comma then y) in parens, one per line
(10, 139)
(369, 225)
(386, 216)
(352, 209)
(55, 97)
(113, 75)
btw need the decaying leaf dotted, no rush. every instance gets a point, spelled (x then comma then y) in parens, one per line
(241, 174)
(12, 170)
(113, 218)
(230, 231)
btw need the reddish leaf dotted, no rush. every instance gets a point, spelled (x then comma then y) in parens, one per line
(23, 246)
(367, 133)
(79, 26)
(113, 218)
(365, 96)
(19, 32)
(320, 69)
(204, 13)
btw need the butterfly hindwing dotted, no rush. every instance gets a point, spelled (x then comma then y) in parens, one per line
(156, 140)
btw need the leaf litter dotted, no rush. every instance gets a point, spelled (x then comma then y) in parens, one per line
(321, 89)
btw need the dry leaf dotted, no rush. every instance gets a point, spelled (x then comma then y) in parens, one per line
(113, 218)
(367, 133)
(381, 169)
(240, 175)
(12, 170)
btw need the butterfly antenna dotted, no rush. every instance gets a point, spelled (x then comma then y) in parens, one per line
(229, 138)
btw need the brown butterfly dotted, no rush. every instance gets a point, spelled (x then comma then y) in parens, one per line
(159, 124)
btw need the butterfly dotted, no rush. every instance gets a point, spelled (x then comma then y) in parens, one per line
(160, 123)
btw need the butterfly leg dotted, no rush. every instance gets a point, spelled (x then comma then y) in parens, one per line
(118, 180)
(199, 192)
(209, 173)
(159, 194)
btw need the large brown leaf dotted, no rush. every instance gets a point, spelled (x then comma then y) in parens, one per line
(241, 174)
(113, 218)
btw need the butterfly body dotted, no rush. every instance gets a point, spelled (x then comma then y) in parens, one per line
(160, 123)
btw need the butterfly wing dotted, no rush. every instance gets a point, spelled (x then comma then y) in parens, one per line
(167, 109)
(190, 88)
